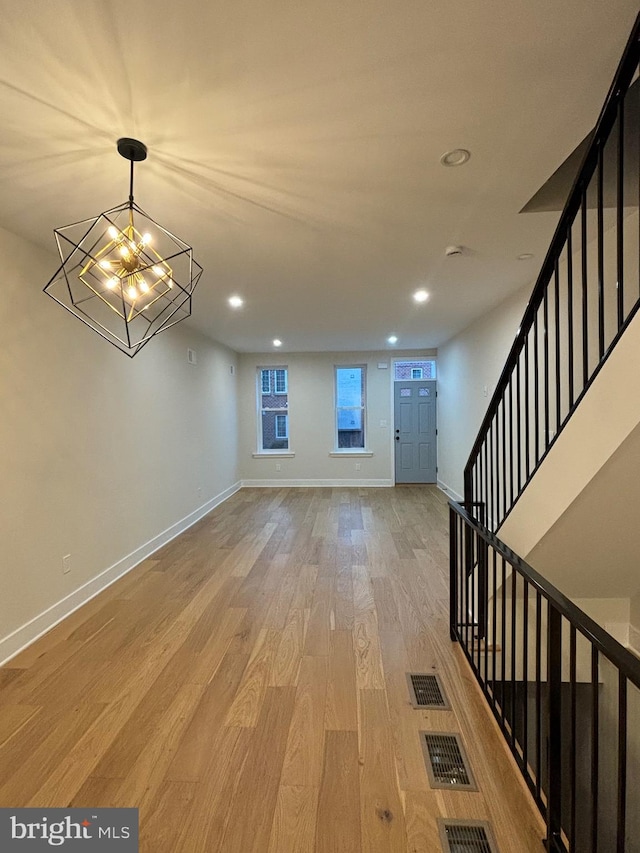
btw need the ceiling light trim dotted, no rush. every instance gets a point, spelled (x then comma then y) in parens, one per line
(456, 157)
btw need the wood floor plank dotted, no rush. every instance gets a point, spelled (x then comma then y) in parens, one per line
(305, 744)
(317, 639)
(247, 704)
(99, 792)
(304, 587)
(341, 713)
(204, 824)
(294, 822)
(252, 809)
(369, 675)
(386, 608)
(286, 665)
(144, 780)
(382, 816)
(13, 718)
(193, 756)
(161, 827)
(338, 825)
(25, 775)
(421, 820)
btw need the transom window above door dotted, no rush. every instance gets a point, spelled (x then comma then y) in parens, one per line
(415, 369)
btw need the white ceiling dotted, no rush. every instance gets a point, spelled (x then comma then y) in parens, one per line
(296, 145)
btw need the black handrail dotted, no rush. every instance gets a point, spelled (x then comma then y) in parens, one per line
(623, 659)
(612, 112)
(558, 685)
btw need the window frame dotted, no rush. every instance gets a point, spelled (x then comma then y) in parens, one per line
(426, 359)
(362, 408)
(286, 424)
(277, 370)
(260, 409)
(264, 370)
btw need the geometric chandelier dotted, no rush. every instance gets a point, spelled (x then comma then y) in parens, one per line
(122, 273)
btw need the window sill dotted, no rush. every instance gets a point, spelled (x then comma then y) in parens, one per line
(271, 453)
(339, 453)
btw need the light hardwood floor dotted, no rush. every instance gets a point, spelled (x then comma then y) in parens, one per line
(246, 688)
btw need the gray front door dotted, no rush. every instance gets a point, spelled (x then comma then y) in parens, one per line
(415, 431)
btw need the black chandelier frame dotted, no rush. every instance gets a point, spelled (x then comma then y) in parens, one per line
(122, 308)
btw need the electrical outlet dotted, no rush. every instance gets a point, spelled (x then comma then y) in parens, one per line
(358, 466)
(278, 466)
(66, 564)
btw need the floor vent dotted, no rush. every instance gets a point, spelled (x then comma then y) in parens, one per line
(427, 692)
(447, 762)
(466, 836)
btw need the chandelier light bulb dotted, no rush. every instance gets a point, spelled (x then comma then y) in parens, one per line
(144, 287)
(158, 270)
(106, 265)
(132, 293)
(111, 283)
(112, 231)
(146, 238)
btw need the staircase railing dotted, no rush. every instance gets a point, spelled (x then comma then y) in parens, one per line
(564, 692)
(586, 294)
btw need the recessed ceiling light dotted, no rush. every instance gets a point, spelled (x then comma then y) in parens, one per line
(236, 302)
(455, 157)
(277, 342)
(392, 339)
(420, 296)
(525, 256)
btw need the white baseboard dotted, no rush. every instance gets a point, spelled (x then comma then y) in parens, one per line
(450, 492)
(27, 634)
(315, 484)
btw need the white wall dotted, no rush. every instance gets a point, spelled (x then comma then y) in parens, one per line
(100, 453)
(311, 420)
(467, 365)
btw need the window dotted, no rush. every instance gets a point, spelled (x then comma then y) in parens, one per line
(282, 426)
(273, 409)
(350, 407)
(417, 368)
(280, 381)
